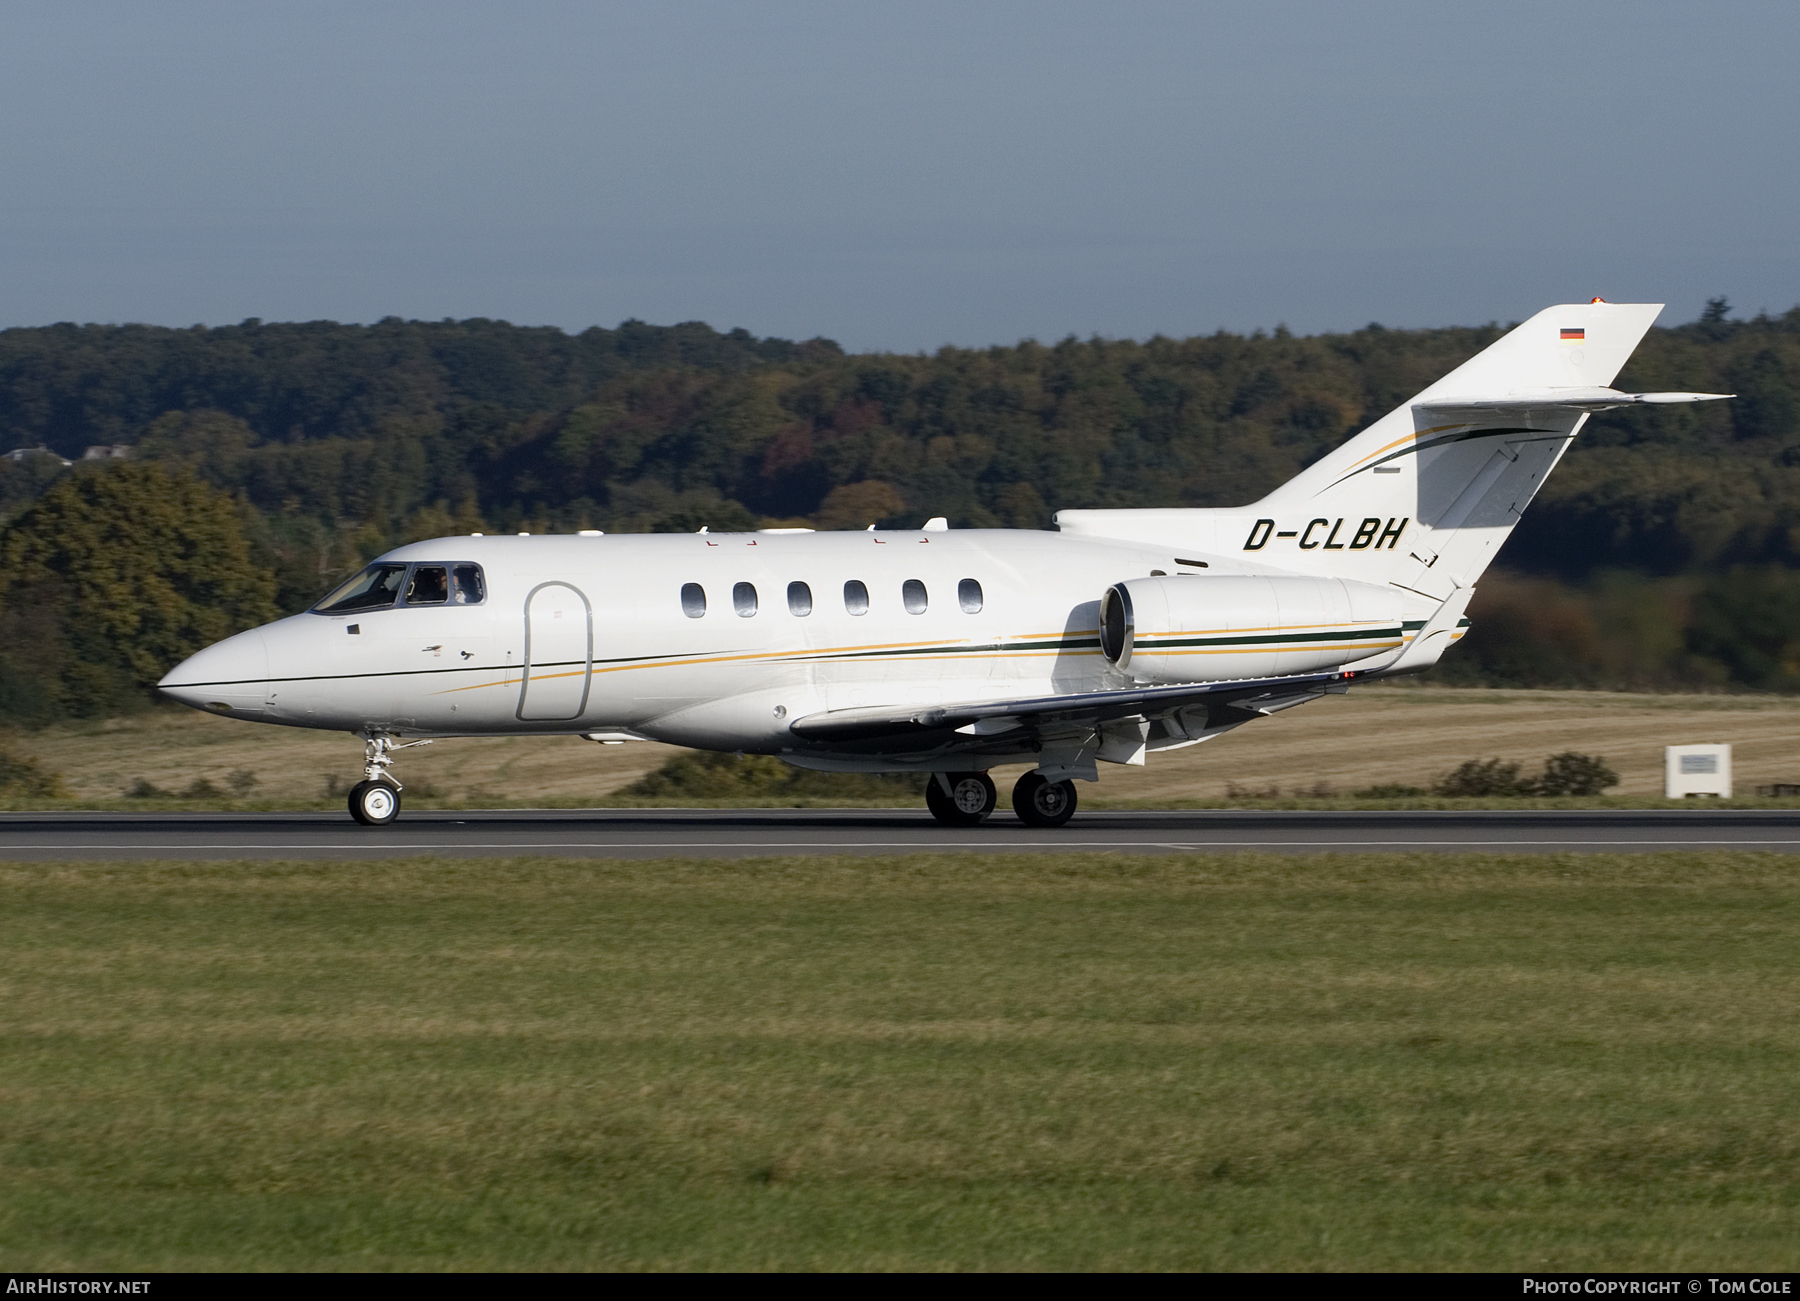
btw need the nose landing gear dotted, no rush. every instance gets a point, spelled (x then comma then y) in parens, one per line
(375, 800)
(374, 803)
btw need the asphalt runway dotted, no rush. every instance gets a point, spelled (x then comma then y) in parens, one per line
(716, 833)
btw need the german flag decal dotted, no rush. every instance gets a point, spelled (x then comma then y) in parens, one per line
(1573, 336)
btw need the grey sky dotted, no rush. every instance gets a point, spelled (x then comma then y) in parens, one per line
(895, 175)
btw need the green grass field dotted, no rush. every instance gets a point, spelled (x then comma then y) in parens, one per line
(1238, 1062)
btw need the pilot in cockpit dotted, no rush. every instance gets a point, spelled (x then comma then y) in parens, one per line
(428, 586)
(467, 582)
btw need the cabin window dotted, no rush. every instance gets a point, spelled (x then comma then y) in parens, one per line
(912, 596)
(799, 600)
(376, 588)
(466, 587)
(430, 585)
(856, 597)
(743, 599)
(693, 600)
(968, 596)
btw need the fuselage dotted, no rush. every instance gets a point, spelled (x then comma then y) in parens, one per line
(710, 640)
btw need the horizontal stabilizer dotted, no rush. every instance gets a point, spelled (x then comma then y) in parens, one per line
(1561, 399)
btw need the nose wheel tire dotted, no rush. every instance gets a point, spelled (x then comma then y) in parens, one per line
(1041, 803)
(374, 804)
(970, 799)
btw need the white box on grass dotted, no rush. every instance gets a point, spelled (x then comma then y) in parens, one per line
(1697, 770)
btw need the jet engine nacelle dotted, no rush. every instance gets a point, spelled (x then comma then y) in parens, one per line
(1205, 628)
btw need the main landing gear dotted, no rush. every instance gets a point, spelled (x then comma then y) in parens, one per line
(964, 799)
(375, 800)
(1041, 803)
(961, 799)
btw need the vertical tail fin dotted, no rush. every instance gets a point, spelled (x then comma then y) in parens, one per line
(1429, 492)
(1423, 498)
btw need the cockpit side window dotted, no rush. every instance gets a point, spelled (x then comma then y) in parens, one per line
(430, 585)
(376, 588)
(466, 587)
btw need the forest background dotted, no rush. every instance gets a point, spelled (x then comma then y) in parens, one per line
(223, 476)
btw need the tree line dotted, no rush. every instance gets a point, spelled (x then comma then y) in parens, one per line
(1660, 554)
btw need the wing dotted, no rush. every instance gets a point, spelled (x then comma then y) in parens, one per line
(990, 724)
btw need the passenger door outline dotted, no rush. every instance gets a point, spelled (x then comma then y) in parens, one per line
(587, 671)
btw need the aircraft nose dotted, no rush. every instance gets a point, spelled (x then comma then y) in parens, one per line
(228, 677)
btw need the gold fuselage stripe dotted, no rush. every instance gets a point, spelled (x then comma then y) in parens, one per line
(933, 651)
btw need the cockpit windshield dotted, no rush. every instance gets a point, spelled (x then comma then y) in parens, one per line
(376, 588)
(379, 587)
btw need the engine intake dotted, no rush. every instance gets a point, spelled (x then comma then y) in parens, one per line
(1216, 628)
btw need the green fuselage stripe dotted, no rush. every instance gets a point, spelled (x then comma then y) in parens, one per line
(1164, 642)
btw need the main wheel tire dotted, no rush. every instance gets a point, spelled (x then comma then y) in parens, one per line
(1041, 803)
(374, 804)
(972, 797)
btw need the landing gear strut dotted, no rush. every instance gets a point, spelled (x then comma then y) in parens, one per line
(961, 799)
(375, 800)
(1041, 803)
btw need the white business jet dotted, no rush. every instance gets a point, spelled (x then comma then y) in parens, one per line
(942, 651)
